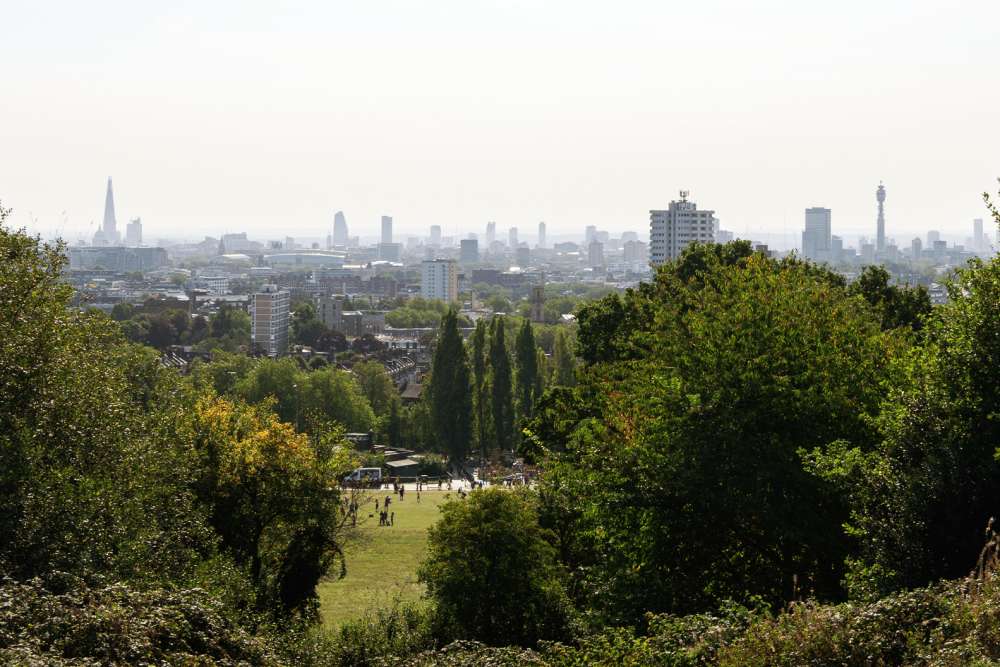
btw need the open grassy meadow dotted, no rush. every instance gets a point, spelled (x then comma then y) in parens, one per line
(382, 562)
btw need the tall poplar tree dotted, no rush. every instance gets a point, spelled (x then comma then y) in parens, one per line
(501, 390)
(451, 401)
(480, 385)
(527, 370)
(563, 362)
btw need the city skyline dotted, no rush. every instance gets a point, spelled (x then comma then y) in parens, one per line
(206, 133)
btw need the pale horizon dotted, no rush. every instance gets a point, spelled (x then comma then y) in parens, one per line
(268, 119)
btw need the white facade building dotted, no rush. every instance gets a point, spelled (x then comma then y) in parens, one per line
(439, 280)
(269, 320)
(672, 230)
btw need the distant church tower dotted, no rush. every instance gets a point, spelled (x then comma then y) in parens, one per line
(880, 232)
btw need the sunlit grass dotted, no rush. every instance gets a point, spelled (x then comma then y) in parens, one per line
(382, 562)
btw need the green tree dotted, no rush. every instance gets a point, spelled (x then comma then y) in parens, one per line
(683, 442)
(501, 389)
(563, 362)
(273, 500)
(492, 572)
(328, 392)
(921, 499)
(450, 400)
(480, 386)
(94, 476)
(900, 306)
(526, 358)
(122, 311)
(376, 385)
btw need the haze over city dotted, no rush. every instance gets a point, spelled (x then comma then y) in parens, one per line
(251, 117)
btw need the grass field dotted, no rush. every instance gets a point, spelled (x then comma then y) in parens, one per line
(382, 562)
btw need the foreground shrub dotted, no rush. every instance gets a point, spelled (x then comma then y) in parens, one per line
(60, 620)
(464, 653)
(382, 634)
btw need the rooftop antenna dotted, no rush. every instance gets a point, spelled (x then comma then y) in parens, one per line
(684, 194)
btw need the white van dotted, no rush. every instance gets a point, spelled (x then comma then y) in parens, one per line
(364, 477)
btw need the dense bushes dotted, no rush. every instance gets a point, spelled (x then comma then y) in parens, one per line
(59, 620)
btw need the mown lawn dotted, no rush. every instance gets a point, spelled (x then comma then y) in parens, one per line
(382, 562)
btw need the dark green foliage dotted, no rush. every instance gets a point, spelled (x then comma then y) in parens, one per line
(480, 386)
(526, 358)
(563, 362)
(922, 499)
(450, 398)
(684, 450)
(900, 306)
(61, 621)
(492, 572)
(501, 388)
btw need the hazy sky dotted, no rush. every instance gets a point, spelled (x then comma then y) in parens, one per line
(267, 117)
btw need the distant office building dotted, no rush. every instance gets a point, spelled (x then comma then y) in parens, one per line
(589, 234)
(629, 236)
(978, 240)
(512, 238)
(390, 252)
(386, 229)
(672, 230)
(491, 233)
(523, 256)
(133, 233)
(439, 280)
(340, 239)
(880, 223)
(916, 248)
(595, 254)
(933, 237)
(723, 236)
(269, 320)
(436, 235)
(468, 251)
(541, 234)
(635, 252)
(817, 235)
(108, 233)
(868, 252)
(836, 249)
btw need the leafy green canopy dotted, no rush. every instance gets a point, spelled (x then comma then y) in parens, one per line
(92, 480)
(680, 473)
(492, 572)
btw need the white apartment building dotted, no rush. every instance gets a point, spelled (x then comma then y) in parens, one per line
(672, 230)
(269, 320)
(439, 280)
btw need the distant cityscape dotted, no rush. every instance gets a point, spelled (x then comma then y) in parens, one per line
(266, 276)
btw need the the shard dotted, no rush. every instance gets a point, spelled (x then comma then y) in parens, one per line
(110, 226)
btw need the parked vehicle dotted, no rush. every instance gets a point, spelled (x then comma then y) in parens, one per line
(370, 478)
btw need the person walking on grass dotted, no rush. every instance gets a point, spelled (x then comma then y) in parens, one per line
(392, 518)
